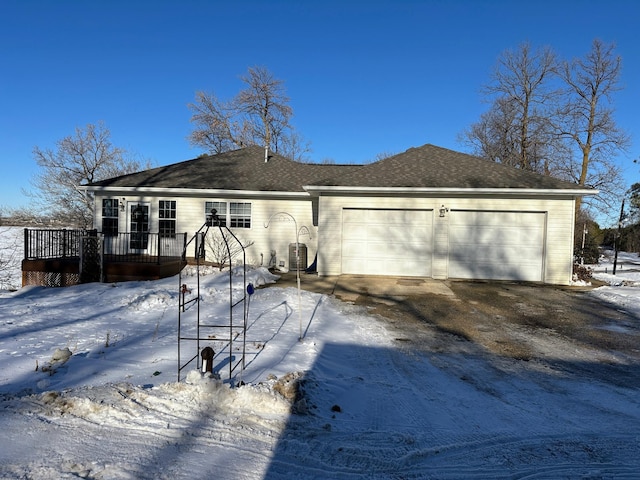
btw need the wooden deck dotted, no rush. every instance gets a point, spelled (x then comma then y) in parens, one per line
(61, 272)
(57, 258)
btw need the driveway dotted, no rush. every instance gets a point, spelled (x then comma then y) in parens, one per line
(538, 326)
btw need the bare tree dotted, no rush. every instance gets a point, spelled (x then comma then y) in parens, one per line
(259, 114)
(217, 131)
(493, 136)
(265, 106)
(10, 256)
(79, 159)
(516, 130)
(382, 155)
(586, 119)
(295, 147)
(24, 216)
(217, 250)
(555, 118)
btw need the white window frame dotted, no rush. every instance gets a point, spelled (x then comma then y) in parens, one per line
(231, 214)
(171, 219)
(111, 213)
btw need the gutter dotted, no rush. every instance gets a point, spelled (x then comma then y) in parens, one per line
(192, 192)
(515, 192)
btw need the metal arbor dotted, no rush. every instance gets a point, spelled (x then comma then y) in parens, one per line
(193, 333)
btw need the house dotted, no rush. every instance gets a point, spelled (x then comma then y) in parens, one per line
(426, 212)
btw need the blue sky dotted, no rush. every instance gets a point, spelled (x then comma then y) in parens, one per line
(364, 77)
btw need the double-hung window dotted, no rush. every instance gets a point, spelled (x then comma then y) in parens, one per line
(232, 214)
(240, 214)
(167, 218)
(221, 212)
(110, 217)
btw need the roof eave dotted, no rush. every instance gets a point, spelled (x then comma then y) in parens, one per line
(317, 189)
(192, 192)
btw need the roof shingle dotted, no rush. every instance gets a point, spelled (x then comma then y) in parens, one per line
(422, 167)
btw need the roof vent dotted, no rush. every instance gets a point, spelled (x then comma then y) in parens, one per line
(266, 153)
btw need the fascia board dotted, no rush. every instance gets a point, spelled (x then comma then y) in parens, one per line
(452, 191)
(191, 192)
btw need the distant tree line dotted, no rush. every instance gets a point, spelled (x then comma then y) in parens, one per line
(626, 235)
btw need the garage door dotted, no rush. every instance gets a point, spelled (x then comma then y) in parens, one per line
(387, 242)
(496, 245)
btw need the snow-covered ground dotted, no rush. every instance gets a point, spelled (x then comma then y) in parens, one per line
(88, 389)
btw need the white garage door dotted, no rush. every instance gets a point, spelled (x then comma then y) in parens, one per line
(387, 242)
(496, 245)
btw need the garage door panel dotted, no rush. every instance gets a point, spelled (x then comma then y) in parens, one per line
(353, 248)
(492, 218)
(387, 242)
(417, 235)
(381, 249)
(354, 231)
(507, 254)
(384, 250)
(496, 245)
(350, 217)
(378, 231)
(494, 271)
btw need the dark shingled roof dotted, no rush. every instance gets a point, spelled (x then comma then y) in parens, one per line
(436, 167)
(243, 169)
(422, 167)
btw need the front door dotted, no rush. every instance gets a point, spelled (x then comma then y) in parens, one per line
(138, 226)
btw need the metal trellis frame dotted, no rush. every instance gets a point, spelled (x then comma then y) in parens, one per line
(192, 332)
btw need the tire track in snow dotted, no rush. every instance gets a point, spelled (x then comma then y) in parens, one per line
(377, 455)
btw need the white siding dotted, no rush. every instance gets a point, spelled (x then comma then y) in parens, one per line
(190, 213)
(327, 237)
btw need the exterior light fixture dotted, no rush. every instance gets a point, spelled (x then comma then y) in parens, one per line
(443, 211)
(122, 204)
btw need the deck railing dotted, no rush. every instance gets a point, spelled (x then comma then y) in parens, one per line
(143, 247)
(48, 244)
(122, 247)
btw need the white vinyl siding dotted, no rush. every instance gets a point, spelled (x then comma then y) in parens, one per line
(260, 241)
(327, 237)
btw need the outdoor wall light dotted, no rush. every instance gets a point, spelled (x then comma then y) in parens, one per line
(122, 204)
(443, 211)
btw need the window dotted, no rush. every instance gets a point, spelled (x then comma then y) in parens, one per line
(167, 216)
(221, 211)
(110, 217)
(238, 214)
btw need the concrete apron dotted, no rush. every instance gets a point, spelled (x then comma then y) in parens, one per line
(381, 289)
(388, 290)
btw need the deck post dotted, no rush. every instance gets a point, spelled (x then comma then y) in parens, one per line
(158, 248)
